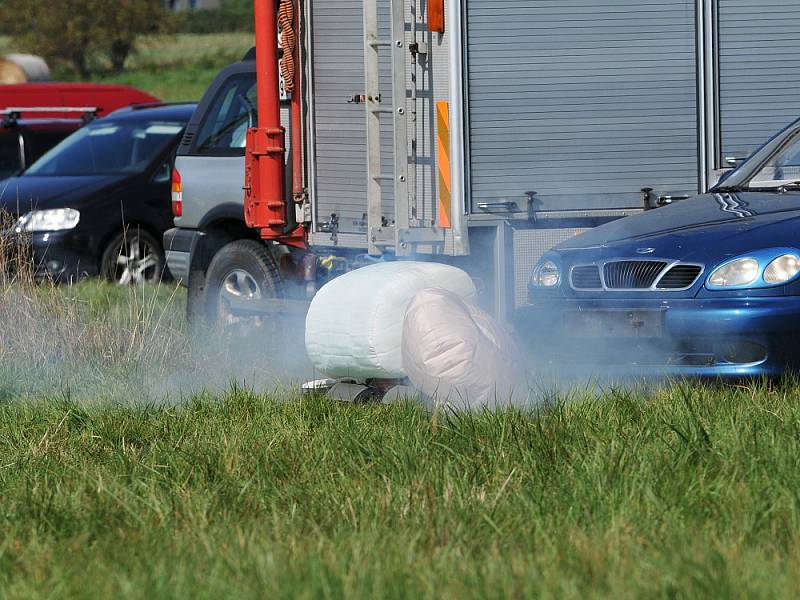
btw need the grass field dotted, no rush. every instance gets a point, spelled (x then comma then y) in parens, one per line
(250, 490)
(690, 492)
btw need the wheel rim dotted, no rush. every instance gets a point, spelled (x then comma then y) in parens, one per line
(237, 286)
(137, 262)
(240, 285)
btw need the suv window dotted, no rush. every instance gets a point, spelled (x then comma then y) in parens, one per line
(233, 111)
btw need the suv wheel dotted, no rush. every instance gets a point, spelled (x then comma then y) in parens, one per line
(242, 271)
(133, 257)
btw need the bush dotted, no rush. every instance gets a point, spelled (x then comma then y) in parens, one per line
(233, 15)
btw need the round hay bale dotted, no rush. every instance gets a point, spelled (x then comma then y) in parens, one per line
(28, 66)
(11, 72)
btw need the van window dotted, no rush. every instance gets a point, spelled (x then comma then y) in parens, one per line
(10, 158)
(39, 142)
(224, 128)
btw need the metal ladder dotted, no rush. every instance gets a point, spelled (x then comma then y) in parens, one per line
(403, 235)
(381, 236)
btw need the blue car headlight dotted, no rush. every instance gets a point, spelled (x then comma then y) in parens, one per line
(764, 268)
(546, 274)
(782, 269)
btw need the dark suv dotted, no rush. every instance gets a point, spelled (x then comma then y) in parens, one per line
(25, 136)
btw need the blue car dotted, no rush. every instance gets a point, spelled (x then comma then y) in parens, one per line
(709, 286)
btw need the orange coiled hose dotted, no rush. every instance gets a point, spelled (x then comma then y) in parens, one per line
(288, 42)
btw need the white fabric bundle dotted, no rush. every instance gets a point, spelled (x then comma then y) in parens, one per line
(355, 322)
(459, 356)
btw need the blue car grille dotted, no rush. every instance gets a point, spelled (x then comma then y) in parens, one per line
(632, 274)
(635, 275)
(586, 277)
(680, 277)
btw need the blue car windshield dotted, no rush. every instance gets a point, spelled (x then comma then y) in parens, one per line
(775, 163)
(108, 147)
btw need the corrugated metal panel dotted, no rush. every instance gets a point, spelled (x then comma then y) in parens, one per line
(583, 101)
(337, 31)
(759, 71)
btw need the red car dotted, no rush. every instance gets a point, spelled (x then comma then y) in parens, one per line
(34, 117)
(103, 96)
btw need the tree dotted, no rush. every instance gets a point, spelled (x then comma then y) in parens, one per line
(77, 31)
(123, 20)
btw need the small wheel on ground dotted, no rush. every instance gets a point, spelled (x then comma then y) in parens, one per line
(241, 272)
(133, 257)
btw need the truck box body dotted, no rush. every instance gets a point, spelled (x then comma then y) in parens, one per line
(586, 104)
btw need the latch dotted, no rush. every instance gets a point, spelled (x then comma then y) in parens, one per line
(361, 98)
(651, 200)
(418, 48)
(531, 196)
(331, 226)
(503, 205)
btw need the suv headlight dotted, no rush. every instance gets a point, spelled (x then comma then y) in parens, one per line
(55, 219)
(546, 274)
(761, 269)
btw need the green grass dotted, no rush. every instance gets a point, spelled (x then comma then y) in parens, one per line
(687, 491)
(179, 67)
(111, 486)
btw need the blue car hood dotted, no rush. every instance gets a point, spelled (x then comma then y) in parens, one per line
(706, 227)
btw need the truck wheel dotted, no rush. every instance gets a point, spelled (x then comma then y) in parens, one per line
(242, 271)
(133, 256)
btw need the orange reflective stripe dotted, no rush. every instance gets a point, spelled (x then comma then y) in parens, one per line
(443, 161)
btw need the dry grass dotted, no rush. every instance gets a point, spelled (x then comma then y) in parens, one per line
(42, 323)
(105, 331)
(102, 341)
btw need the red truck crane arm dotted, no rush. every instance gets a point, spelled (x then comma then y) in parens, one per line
(265, 200)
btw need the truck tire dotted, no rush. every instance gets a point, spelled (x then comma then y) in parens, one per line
(241, 271)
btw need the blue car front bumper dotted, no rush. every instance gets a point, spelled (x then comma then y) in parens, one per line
(704, 337)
